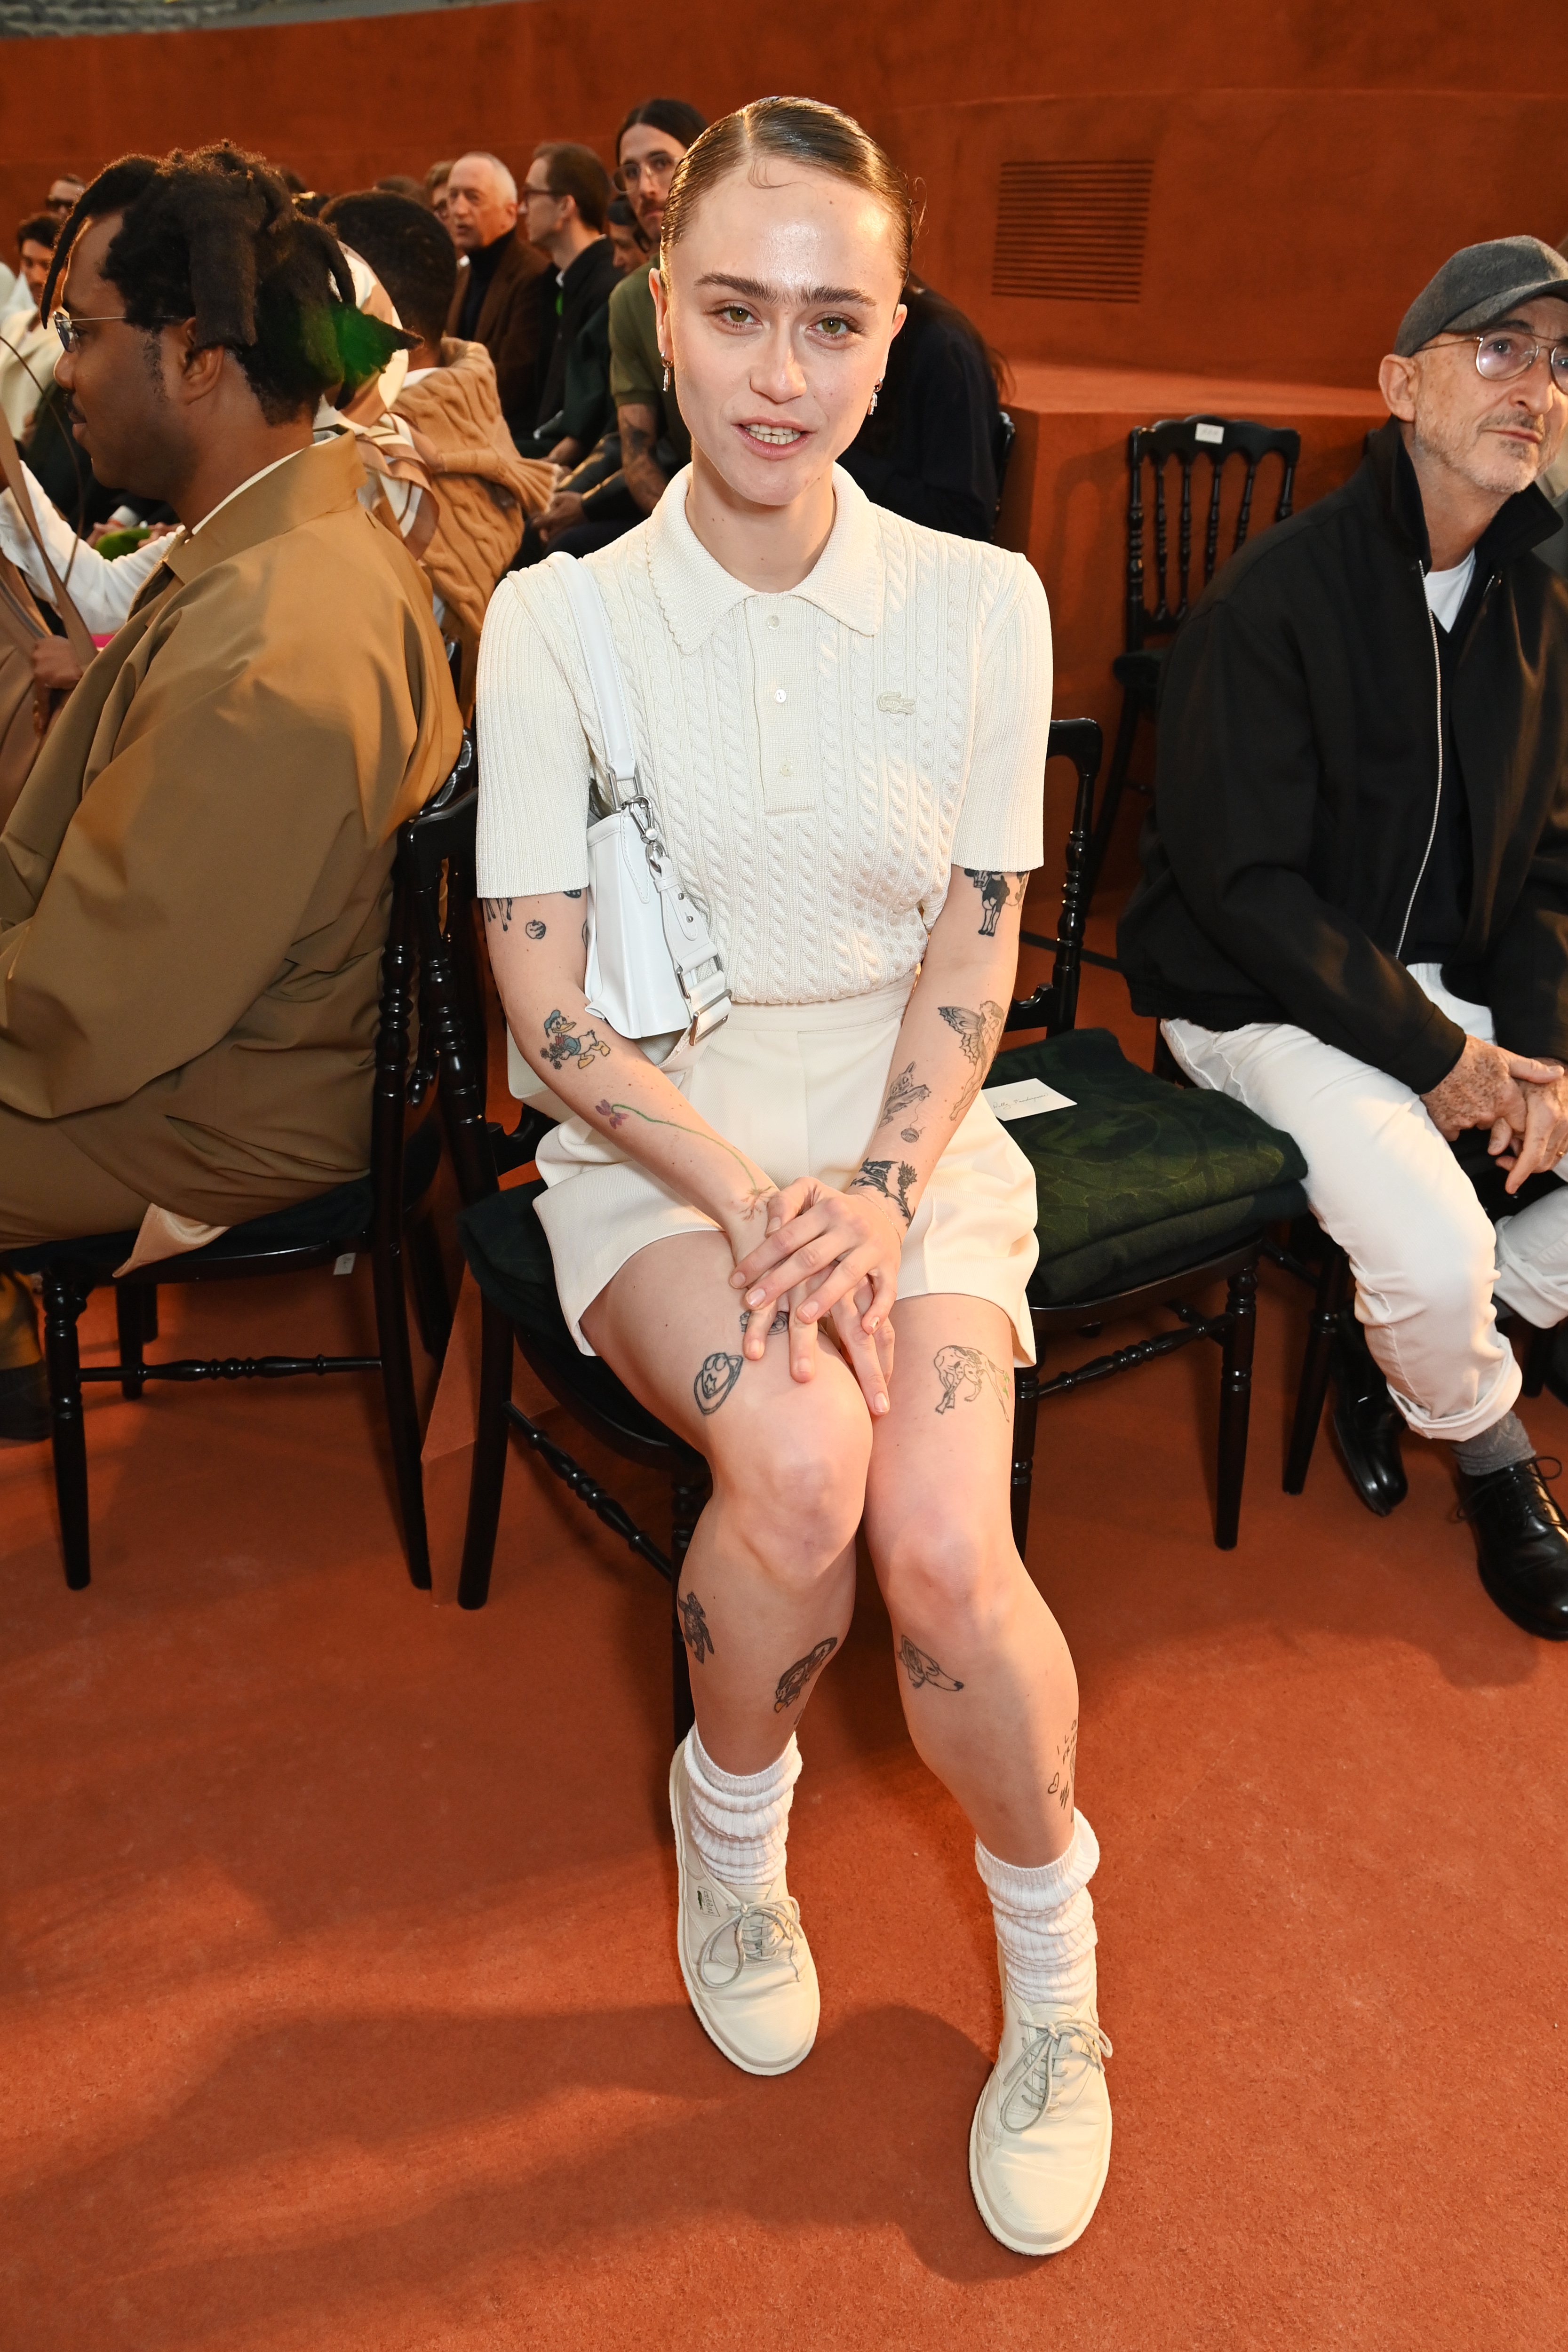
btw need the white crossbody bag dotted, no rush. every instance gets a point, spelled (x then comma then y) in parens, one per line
(654, 972)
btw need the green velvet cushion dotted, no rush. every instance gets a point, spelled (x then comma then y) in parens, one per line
(1140, 1176)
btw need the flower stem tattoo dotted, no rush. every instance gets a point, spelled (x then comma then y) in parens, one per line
(1067, 1766)
(694, 1628)
(792, 1683)
(922, 1669)
(965, 1374)
(977, 1033)
(877, 1176)
(617, 1113)
(716, 1376)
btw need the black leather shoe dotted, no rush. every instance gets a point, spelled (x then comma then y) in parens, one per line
(24, 1406)
(1521, 1542)
(1367, 1424)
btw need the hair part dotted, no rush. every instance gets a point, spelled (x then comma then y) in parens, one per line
(409, 251)
(213, 237)
(799, 130)
(671, 115)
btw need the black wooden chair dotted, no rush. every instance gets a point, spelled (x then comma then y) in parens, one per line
(1206, 1196)
(384, 1213)
(1137, 668)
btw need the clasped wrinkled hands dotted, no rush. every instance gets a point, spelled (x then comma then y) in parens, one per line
(1521, 1100)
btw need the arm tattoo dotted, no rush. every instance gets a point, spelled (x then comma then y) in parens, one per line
(977, 1033)
(877, 1176)
(617, 1114)
(533, 929)
(1067, 1766)
(904, 1099)
(570, 894)
(996, 891)
(922, 1669)
(794, 1679)
(561, 1047)
(965, 1374)
(716, 1376)
(498, 911)
(694, 1628)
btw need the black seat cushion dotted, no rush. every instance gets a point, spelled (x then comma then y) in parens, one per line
(1140, 1178)
(1139, 672)
(508, 1257)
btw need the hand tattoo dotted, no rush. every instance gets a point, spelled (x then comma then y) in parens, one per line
(498, 911)
(1062, 1778)
(965, 1373)
(903, 1097)
(533, 929)
(977, 1033)
(922, 1669)
(794, 1679)
(996, 891)
(716, 1376)
(562, 1047)
(874, 1177)
(694, 1628)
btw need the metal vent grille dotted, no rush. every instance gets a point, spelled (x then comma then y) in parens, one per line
(1072, 232)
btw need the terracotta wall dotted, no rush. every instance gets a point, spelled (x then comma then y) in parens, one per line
(1313, 159)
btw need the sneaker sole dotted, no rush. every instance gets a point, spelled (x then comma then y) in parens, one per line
(1019, 2245)
(746, 2065)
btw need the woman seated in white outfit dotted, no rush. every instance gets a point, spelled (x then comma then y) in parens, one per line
(841, 720)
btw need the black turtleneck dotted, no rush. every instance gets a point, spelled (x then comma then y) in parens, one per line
(483, 263)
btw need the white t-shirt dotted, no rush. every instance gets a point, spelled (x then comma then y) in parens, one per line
(1447, 591)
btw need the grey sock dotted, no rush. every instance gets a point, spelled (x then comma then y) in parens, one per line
(1497, 1448)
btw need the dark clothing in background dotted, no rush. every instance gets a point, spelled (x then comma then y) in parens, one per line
(573, 302)
(928, 452)
(1297, 786)
(495, 303)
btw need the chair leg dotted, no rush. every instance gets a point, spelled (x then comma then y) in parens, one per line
(131, 1324)
(432, 1300)
(401, 1409)
(687, 1493)
(1235, 1402)
(1026, 1412)
(1333, 1289)
(1538, 1359)
(63, 1303)
(489, 1473)
(150, 1312)
(1115, 783)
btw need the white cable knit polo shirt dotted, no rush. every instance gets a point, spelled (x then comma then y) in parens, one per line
(819, 760)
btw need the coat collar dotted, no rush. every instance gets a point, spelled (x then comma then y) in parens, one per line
(1518, 524)
(695, 592)
(314, 481)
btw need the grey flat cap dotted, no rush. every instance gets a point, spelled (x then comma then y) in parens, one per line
(1480, 283)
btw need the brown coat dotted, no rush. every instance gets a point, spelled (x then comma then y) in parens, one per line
(483, 489)
(511, 327)
(194, 884)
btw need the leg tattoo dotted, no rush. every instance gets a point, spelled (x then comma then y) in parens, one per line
(716, 1377)
(965, 1373)
(922, 1669)
(694, 1628)
(792, 1683)
(1067, 1765)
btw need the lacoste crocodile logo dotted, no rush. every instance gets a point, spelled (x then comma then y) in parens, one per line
(901, 703)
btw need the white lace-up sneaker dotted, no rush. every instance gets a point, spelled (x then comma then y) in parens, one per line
(743, 1956)
(1039, 2146)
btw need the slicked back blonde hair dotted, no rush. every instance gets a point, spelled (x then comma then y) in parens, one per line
(796, 131)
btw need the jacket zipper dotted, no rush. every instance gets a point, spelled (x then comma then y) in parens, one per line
(1438, 797)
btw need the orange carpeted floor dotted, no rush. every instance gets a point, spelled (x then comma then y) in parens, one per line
(339, 2010)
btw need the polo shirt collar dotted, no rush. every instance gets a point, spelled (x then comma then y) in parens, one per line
(695, 592)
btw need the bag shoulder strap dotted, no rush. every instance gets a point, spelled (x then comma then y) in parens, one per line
(604, 676)
(78, 634)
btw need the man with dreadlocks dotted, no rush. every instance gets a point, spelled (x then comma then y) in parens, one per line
(194, 884)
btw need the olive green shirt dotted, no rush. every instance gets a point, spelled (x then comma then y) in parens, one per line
(636, 371)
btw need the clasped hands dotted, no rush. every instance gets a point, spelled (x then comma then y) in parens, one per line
(1522, 1101)
(833, 1259)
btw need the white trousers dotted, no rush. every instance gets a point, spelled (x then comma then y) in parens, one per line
(1427, 1259)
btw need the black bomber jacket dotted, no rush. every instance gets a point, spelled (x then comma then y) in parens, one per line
(1298, 777)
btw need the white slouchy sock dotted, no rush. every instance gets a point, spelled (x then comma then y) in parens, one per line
(1045, 1922)
(740, 1820)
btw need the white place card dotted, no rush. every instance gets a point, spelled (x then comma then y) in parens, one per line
(1025, 1098)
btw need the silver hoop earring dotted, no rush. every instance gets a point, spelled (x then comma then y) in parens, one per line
(667, 378)
(876, 388)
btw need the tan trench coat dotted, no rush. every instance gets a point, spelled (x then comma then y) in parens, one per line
(195, 884)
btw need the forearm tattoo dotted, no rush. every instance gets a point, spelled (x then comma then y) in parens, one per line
(904, 1099)
(977, 1033)
(893, 1179)
(615, 1114)
(965, 1374)
(694, 1628)
(792, 1683)
(716, 1376)
(922, 1669)
(996, 891)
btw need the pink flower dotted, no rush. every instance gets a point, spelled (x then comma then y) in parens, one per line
(608, 1110)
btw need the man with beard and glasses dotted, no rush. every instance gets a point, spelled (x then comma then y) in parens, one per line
(1353, 915)
(196, 879)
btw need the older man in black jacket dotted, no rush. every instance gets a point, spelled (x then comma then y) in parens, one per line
(1355, 909)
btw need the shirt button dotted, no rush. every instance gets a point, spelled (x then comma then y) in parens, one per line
(778, 693)
(772, 620)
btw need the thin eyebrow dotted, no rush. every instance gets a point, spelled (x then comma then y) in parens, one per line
(756, 290)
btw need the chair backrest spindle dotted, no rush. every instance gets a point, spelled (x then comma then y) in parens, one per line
(1183, 439)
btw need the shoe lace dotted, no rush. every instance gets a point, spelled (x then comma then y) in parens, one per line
(761, 1932)
(1547, 1467)
(1035, 2082)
